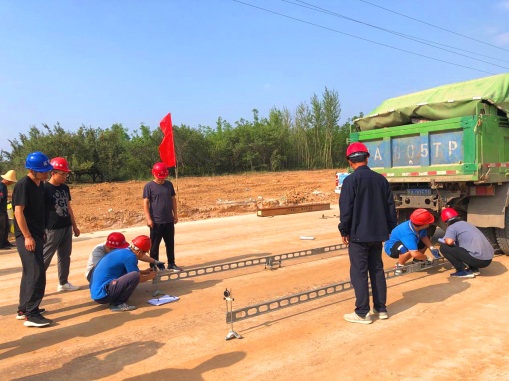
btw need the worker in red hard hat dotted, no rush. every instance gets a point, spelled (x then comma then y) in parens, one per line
(117, 240)
(60, 223)
(465, 246)
(115, 277)
(410, 240)
(160, 207)
(367, 216)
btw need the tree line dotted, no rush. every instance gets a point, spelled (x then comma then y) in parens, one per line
(309, 138)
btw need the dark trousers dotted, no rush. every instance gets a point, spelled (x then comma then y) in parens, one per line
(459, 257)
(120, 290)
(33, 277)
(59, 241)
(4, 228)
(366, 258)
(166, 232)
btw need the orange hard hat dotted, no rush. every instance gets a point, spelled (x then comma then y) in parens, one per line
(421, 217)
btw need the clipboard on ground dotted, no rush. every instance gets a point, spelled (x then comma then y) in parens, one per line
(163, 300)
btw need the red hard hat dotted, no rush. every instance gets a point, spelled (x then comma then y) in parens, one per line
(448, 213)
(60, 164)
(160, 170)
(358, 148)
(116, 241)
(421, 217)
(143, 243)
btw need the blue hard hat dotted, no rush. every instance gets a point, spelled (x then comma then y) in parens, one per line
(39, 162)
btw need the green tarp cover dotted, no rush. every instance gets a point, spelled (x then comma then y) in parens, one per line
(443, 102)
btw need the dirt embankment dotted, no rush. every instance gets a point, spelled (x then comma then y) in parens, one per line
(119, 205)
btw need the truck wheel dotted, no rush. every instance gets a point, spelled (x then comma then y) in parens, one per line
(503, 234)
(491, 236)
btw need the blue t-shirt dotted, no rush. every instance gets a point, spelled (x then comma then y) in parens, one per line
(112, 266)
(405, 233)
(471, 239)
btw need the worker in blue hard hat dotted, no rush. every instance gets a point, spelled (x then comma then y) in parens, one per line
(28, 202)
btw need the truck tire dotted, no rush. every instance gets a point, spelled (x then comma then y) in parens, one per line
(491, 236)
(503, 234)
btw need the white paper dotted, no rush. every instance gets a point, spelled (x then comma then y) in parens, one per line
(163, 300)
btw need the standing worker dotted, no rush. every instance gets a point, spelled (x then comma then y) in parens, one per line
(28, 202)
(160, 206)
(60, 223)
(367, 216)
(465, 246)
(8, 179)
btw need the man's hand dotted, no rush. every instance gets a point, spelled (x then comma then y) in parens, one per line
(157, 266)
(76, 231)
(346, 239)
(147, 274)
(30, 244)
(435, 253)
(150, 223)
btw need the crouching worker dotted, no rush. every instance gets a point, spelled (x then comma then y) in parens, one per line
(410, 240)
(115, 277)
(115, 241)
(465, 246)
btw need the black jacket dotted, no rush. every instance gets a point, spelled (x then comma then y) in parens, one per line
(366, 207)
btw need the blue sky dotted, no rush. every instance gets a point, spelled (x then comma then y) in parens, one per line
(96, 63)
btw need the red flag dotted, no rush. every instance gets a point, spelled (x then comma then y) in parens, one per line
(167, 147)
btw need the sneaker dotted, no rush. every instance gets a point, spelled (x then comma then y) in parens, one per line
(382, 315)
(475, 271)
(174, 268)
(122, 307)
(36, 320)
(67, 287)
(20, 315)
(400, 269)
(354, 318)
(463, 274)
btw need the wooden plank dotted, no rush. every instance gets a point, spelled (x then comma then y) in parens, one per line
(281, 210)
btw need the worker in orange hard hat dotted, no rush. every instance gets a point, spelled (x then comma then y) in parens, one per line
(410, 240)
(367, 216)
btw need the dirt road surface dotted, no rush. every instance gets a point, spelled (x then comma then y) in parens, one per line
(439, 328)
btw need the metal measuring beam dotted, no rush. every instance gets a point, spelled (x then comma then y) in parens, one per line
(307, 296)
(268, 261)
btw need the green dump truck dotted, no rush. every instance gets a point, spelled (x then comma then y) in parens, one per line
(446, 147)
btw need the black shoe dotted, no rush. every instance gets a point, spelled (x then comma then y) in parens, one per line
(20, 315)
(174, 268)
(8, 245)
(36, 320)
(474, 270)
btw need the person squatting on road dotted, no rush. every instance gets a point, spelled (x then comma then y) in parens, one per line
(60, 223)
(160, 206)
(466, 247)
(114, 241)
(28, 202)
(8, 178)
(410, 240)
(367, 215)
(115, 277)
